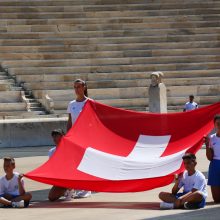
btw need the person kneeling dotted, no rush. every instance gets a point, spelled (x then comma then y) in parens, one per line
(194, 188)
(12, 192)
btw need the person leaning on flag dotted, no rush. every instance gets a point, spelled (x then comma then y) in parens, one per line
(57, 192)
(213, 155)
(194, 188)
(74, 109)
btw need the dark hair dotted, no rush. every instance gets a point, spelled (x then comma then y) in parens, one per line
(56, 132)
(191, 96)
(217, 117)
(84, 84)
(9, 159)
(189, 156)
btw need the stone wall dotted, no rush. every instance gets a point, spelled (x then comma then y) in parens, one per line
(29, 132)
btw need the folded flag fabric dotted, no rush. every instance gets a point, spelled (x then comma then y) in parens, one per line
(115, 150)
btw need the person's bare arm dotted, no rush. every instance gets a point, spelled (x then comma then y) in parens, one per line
(175, 188)
(20, 185)
(209, 151)
(69, 123)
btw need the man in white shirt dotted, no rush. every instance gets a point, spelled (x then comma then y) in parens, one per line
(12, 192)
(194, 188)
(191, 105)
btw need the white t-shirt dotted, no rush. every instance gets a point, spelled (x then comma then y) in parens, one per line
(51, 151)
(195, 181)
(75, 108)
(10, 186)
(215, 145)
(190, 106)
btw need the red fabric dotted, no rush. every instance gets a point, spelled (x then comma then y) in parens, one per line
(115, 131)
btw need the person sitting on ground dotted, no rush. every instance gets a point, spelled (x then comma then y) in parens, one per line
(12, 191)
(213, 155)
(56, 192)
(190, 105)
(194, 188)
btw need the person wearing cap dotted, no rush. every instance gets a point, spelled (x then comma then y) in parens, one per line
(194, 187)
(190, 105)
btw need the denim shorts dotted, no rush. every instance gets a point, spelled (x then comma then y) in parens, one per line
(214, 173)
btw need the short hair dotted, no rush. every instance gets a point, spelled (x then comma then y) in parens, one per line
(9, 159)
(191, 96)
(56, 132)
(189, 156)
(217, 117)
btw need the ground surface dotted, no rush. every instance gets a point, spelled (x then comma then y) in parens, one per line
(144, 205)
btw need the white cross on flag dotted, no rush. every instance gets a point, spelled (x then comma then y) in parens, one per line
(114, 150)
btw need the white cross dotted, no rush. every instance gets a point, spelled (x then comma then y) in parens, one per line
(144, 161)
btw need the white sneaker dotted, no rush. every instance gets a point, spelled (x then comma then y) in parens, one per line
(83, 194)
(69, 194)
(19, 204)
(166, 205)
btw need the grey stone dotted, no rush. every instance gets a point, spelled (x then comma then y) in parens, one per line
(157, 94)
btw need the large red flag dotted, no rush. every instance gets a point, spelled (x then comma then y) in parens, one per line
(115, 150)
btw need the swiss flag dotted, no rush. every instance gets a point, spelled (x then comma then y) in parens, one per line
(115, 150)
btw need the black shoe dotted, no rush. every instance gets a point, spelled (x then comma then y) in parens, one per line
(190, 205)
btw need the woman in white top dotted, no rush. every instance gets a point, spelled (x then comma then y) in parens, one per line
(74, 109)
(213, 155)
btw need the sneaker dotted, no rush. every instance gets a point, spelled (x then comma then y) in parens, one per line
(69, 195)
(83, 194)
(166, 205)
(189, 205)
(19, 204)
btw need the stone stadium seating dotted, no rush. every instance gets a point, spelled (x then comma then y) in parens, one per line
(114, 46)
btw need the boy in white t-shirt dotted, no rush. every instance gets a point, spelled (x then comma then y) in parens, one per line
(12, 192)
(194, 188)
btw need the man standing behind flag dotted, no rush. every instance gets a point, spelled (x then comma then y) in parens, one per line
(74, 109)
(190, 105)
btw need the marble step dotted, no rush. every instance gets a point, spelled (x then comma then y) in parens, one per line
(110, 33)
(115, 26)
(170, 76)
(113, 47)
(102, 20)
(132, 92)
(114, 68)
(123, 83)
(170, 60)
(111, 13)
(109, 54)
